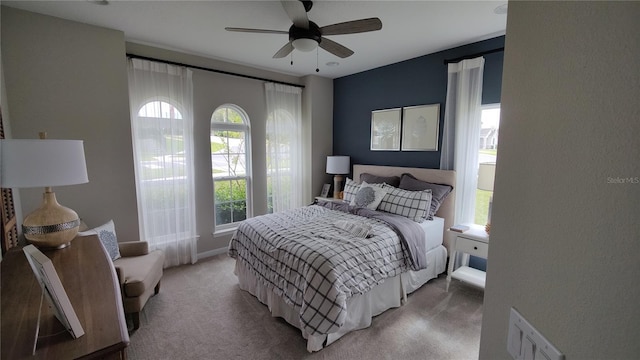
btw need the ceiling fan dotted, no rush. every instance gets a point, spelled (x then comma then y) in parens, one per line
(305, 35)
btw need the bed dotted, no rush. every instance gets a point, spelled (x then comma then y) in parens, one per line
(329, 268)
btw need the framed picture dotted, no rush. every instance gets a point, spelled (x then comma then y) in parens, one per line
(420, 125)
(385, 129)
(325, 190)
(52, 290)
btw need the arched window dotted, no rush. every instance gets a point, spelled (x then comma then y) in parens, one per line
(159, 131)
(285, 183)
(282, 157)
(162, 168)
(230, 165)
(162, 132)
(159, 109)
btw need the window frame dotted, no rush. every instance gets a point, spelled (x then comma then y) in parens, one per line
(484, 107)
(244, 127)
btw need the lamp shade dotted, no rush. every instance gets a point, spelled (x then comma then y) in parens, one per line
(338, 165)
(486, 176)
(29, 163)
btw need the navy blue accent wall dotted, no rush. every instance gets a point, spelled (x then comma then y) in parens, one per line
(418, 81)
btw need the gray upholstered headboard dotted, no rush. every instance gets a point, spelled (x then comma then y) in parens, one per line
(447, 177)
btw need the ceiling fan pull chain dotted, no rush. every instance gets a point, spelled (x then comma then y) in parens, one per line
(317, 67)
(292, 58)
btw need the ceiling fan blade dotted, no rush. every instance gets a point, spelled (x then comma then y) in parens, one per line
(352, 27)
(284, 51)
(262, 31)
(335, 48)
(296, 12)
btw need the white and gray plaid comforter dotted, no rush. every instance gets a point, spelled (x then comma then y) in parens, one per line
(315, 266)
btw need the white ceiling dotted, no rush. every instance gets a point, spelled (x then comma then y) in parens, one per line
(409, 28)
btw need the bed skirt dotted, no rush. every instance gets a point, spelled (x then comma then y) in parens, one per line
(360, 308)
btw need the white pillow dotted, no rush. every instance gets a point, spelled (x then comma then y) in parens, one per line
(368, 196)
(107, 235)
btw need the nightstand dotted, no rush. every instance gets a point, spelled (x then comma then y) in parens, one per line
(329, 199)
(474, 241)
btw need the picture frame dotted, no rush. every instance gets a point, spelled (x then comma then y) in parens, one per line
(325, 190)
(420, 127)
(53, 290)
(385, 130)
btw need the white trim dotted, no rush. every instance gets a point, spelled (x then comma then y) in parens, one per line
(210, 253)
(226, 229)
(490, 106)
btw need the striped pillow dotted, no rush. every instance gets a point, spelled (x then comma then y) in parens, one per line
(414, 205)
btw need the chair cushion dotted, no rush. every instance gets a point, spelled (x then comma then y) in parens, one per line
(141, 273)
(133, 248)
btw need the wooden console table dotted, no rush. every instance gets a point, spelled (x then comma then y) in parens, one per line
(89, 279)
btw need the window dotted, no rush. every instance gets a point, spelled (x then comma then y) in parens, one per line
(162, 134)
(284, 147)
(281, 143)
(162, 169)
(487, 153)
(230, 165)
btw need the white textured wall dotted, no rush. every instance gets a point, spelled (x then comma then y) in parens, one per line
(69, 79)
(319, 108)
(565, 241)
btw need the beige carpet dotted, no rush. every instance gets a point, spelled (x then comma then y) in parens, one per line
(201, 313)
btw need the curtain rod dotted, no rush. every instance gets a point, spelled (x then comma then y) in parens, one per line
(211, 70)
(448, 61)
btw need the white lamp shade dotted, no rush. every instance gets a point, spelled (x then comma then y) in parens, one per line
(338, 165)
(304, 44)
(486, 176)
(29, 163)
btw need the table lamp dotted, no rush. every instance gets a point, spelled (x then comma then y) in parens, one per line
(45, 163)
(338, 166)
(486, 176)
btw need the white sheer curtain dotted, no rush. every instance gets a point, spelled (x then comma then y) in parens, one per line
(161, 100)
(284, 145)
(461, 133)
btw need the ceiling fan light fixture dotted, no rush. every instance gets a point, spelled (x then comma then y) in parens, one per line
(304, 44)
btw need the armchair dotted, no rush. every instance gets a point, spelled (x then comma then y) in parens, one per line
(139, 272)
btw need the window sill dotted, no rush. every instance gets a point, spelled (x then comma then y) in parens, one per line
(224, 232)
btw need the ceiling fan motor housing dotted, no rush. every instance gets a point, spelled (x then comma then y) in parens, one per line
(313, 32)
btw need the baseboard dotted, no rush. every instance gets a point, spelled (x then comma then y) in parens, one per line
(210, 253)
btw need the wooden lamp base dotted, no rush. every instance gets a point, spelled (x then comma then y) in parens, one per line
(337, 181)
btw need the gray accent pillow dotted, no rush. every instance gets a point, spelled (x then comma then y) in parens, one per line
(375, 179)
(369, 196)
(438, 191)
(107, 235)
